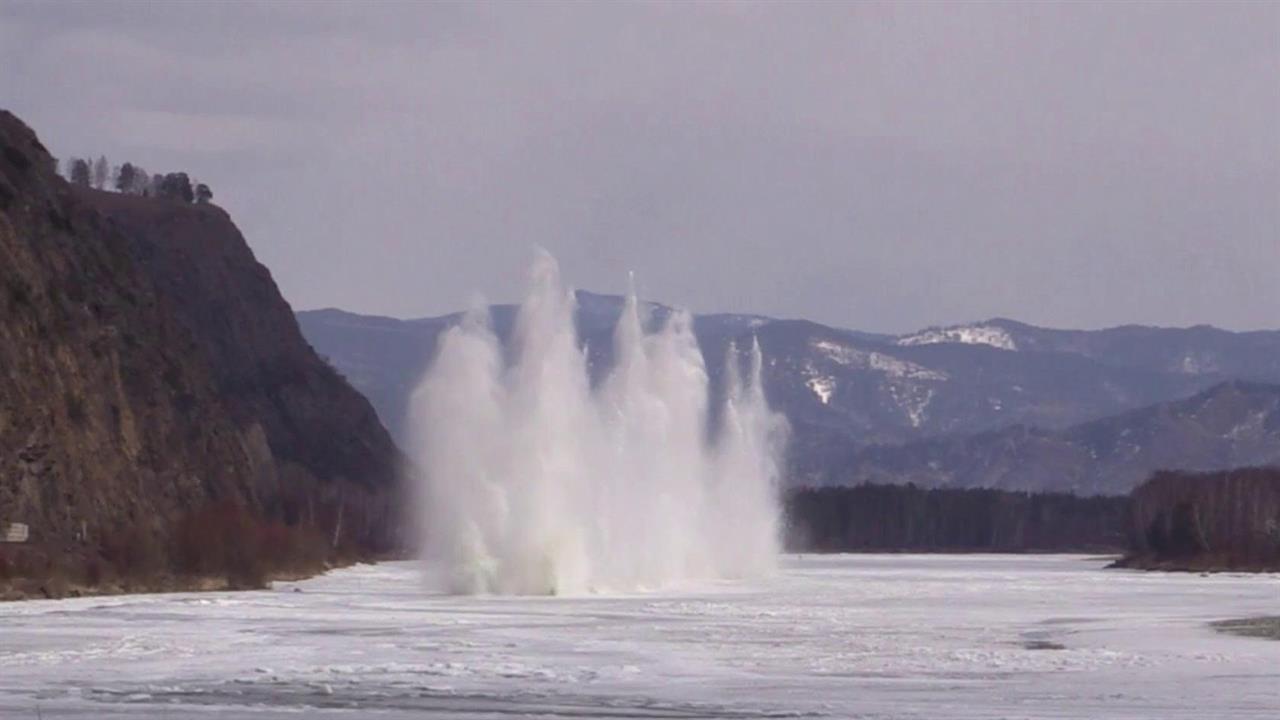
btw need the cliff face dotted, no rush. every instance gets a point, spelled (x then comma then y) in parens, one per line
(1223, 520)
(149, 367)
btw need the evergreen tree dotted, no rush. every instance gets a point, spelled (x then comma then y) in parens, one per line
(80, 173)
(176, 186)
(127, 178)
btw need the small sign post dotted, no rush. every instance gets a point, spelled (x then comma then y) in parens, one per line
(14, 532)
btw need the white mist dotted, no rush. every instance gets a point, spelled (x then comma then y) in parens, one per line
(538, 483)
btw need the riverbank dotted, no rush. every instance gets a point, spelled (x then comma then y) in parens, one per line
(60, 587)
(39, 576)
(1266, 627)
(1205, 563)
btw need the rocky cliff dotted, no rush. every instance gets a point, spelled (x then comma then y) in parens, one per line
(149, 368)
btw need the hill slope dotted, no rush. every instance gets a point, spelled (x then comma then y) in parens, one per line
(1229, 425)
(150, 368)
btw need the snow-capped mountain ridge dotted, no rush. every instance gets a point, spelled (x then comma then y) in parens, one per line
(844, 389)
(984, 334)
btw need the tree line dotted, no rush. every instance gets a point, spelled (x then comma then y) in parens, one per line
(907, 517)
(132, 179)
(1215, 520)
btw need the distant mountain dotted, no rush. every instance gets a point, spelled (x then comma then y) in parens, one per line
(1199, 350)
(845, 390)
(1233, 424)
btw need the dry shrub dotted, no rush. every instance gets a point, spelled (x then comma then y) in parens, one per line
(225, 539)
(217, 540)
(95, 572)
(133, 553)
(23, 561)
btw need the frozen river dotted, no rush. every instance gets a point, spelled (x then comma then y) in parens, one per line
(867, 636)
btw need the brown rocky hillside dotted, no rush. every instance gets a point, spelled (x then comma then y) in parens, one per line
(149, 371)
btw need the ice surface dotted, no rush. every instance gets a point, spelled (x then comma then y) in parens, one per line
(897, 636)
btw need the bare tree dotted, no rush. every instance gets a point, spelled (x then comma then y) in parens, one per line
(101, 171)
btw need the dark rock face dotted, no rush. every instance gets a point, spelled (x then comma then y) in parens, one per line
(1194, 521)
(149, 367)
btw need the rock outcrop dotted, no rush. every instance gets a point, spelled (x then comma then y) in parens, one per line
(149, 368)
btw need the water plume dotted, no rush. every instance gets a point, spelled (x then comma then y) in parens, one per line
(536, 481)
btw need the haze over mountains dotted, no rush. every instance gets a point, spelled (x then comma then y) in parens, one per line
(990, 404)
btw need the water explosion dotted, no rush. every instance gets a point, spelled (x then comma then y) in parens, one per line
(539, 482)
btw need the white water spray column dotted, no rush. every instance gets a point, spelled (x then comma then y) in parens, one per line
(538, 483)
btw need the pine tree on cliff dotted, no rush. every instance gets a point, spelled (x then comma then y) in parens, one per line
(126, 178)
(80, 173)
(176, 186)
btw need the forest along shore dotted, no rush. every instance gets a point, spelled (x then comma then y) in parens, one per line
(1202, 522)
(906, 518)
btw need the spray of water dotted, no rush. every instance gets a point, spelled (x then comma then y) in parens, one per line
(537, 482)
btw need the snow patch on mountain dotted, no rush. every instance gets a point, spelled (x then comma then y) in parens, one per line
(823, 387)
(893, 367)
(994, 336)
(1196, 365)
(1251, 425)
(841, 353)
(914, 401)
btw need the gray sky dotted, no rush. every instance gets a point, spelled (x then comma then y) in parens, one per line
(883, 167)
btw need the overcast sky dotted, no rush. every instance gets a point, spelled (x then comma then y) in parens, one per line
(884, 167)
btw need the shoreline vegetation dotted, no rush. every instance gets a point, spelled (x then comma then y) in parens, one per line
(66, 586)
(1266, 627)
(1175, 522)
(907, 518)
(1206, 564)
(222, 546)
(1225, 521)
